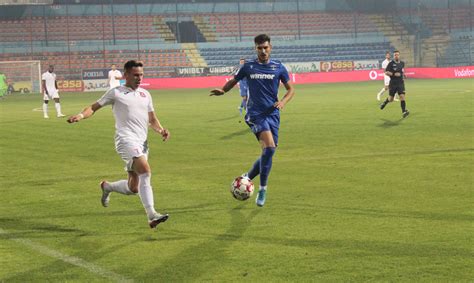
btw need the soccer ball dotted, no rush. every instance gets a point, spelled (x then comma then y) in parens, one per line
(241, 188)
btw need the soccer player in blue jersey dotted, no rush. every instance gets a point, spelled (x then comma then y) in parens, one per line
(263, 107)
(244, 90)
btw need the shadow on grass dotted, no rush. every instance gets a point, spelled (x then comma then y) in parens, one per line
(389, 124)
(224, 119)
(18, 228)
(235, 134)
(212, 253)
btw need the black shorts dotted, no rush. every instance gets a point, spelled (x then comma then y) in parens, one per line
(396, 88)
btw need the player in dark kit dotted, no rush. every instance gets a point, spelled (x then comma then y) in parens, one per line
(395, 70)
(263, 107)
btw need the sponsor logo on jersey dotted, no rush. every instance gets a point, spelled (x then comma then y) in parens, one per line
(262, 76)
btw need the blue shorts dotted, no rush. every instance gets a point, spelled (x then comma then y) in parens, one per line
(244, 93)
(264, 123)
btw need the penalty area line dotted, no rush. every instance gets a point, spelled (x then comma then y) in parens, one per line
(76, 261)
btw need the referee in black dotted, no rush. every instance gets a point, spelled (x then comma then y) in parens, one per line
(395, 70)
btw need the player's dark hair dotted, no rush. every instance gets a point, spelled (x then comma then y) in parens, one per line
(396, 51)
(388, 52)
(261, 38)
(132, 63)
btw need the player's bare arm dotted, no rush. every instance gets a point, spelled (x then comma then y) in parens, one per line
(290, 92)
(84, 114)
(43, 84)
(157, 127)
(388, 73)
(228, 86)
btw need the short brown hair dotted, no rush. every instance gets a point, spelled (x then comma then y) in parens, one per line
(261, 38)
(132, 63)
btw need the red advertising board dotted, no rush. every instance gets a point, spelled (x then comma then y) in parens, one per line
(320, 77)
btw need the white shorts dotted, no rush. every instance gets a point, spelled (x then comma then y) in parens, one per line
(128, 150)
(52, 94)
(386, 80)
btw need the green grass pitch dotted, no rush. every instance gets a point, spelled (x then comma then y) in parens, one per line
(355, 193)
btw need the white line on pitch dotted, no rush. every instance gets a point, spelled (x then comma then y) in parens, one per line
(69, 259)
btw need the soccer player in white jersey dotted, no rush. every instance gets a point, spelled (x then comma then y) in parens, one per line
(114, 77)
(50, 91)
(133, 111)
(386, 79)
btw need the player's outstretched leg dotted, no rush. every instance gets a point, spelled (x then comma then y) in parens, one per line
(265, 168)
(382, 106)
(379, 95)
(105, 199)
(254, 171)
(145, 192)
(405, 111)
(107, 188)
(157, 219)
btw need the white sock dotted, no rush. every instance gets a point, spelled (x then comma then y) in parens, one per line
(58, 108)
(263, 188)
(382, 91)
(146, 194)
(45, 109)
(118, 187)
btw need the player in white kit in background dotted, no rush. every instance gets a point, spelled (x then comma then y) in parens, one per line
(134, 113)
(50, 91)
(114, 77)
(386, 79)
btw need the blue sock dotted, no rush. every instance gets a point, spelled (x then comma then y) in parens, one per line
(255, 170)
(266, 165)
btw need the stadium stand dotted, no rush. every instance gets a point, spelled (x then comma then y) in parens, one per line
(83, 37)
(300, 53)
(78, 28)
(226, 26)
(442, 21)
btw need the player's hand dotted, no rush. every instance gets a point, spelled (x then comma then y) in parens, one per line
(388, 73)
(397, 74)
(165, 134)
(279, 105)
(216, 92)
(74, 119)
